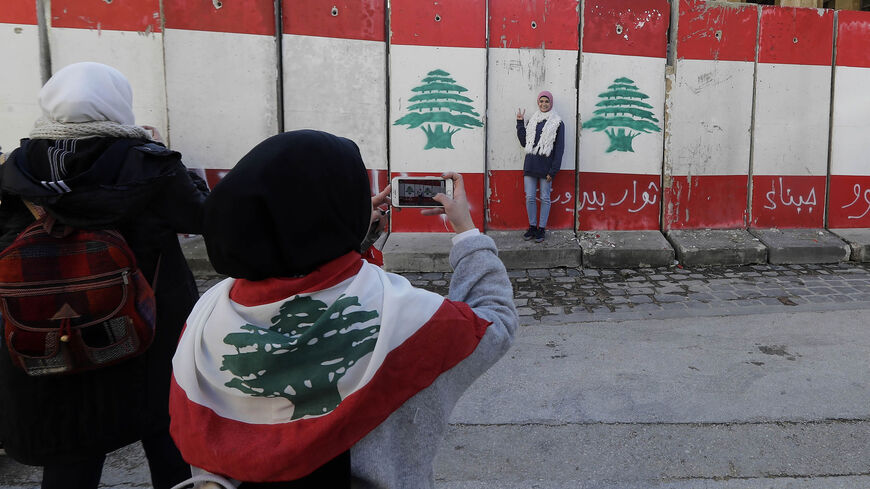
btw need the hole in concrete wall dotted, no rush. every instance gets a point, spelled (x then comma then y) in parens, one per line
(794, 40)
(534, 25)
(108, 1)
(334, 11)
(217, 3)
(619, 28)
(437, 18)
(718, 35)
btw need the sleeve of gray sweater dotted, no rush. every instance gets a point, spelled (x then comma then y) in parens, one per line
(399, 453)
(480, 280)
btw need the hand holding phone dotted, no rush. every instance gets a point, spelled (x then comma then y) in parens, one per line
(455, 206)
(419, 191)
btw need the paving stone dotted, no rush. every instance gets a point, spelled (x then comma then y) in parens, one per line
(725, 295)
(640, 299)
(641, 290)
(818, 299)
(668, 298)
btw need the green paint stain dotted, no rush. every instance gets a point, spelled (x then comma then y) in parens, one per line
(622, 115)
(440, 111)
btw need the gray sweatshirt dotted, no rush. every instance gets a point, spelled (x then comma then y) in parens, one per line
(399, 453)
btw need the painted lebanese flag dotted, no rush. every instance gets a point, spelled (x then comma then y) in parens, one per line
(274, 378)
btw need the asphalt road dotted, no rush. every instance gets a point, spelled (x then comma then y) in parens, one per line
(719, 378)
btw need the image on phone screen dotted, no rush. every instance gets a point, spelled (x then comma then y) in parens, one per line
(420, 192)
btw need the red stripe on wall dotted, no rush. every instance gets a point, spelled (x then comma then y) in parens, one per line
(291, 450)
(248, 17)
(547, 24)
(849, 202)
(627, 27)
(507, 201)
(616, 201)
(802, 36)
(452, 23)
(214, 175)
(409, 220)
(785, 201)
(18, 12)
(346, 19)
(119, 15)
(706, 201)
(716, 33)
(853, 39)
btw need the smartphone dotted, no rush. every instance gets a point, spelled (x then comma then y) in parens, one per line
(419, 191)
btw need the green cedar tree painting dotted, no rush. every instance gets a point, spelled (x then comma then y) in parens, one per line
(439, 102)
(623, 108)
(303, 354)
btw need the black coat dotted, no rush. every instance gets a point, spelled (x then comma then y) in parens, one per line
(143, 190)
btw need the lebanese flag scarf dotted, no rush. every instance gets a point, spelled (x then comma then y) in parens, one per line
(274, 378)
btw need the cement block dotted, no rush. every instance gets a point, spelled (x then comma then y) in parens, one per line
(560, 249)
(700, 247)
(793, 246)
(858, 240)
(418, 252)
(625, 249)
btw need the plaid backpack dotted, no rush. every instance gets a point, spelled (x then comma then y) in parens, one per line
(73, 300)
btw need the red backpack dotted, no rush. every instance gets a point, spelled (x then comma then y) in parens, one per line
(73, 300)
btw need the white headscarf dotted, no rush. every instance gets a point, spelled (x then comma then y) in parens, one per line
(87, 100)
(88, 92)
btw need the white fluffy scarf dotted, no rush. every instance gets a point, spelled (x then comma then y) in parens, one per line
(548, 134)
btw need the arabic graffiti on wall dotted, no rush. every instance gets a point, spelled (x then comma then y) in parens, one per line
(861, 208)
(597, 201)
(618, 201)
(788, 201)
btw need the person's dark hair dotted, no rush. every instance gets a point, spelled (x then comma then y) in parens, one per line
(296, 201)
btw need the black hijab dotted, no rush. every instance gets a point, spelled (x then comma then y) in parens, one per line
(295, 202)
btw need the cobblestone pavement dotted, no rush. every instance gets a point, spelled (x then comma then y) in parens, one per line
(579, 292)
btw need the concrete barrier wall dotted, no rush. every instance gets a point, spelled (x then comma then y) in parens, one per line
(734, 133)
(125, 35)
(438, 99)
(335, 77)
(20, 83)
(709, 117)
(792, 117)
(849, 202)
(533, 46)
(622, 99)
(221, 80)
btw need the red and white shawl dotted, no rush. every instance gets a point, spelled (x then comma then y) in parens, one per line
(274, 378)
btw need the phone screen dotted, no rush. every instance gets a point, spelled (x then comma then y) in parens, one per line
(420, 192)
